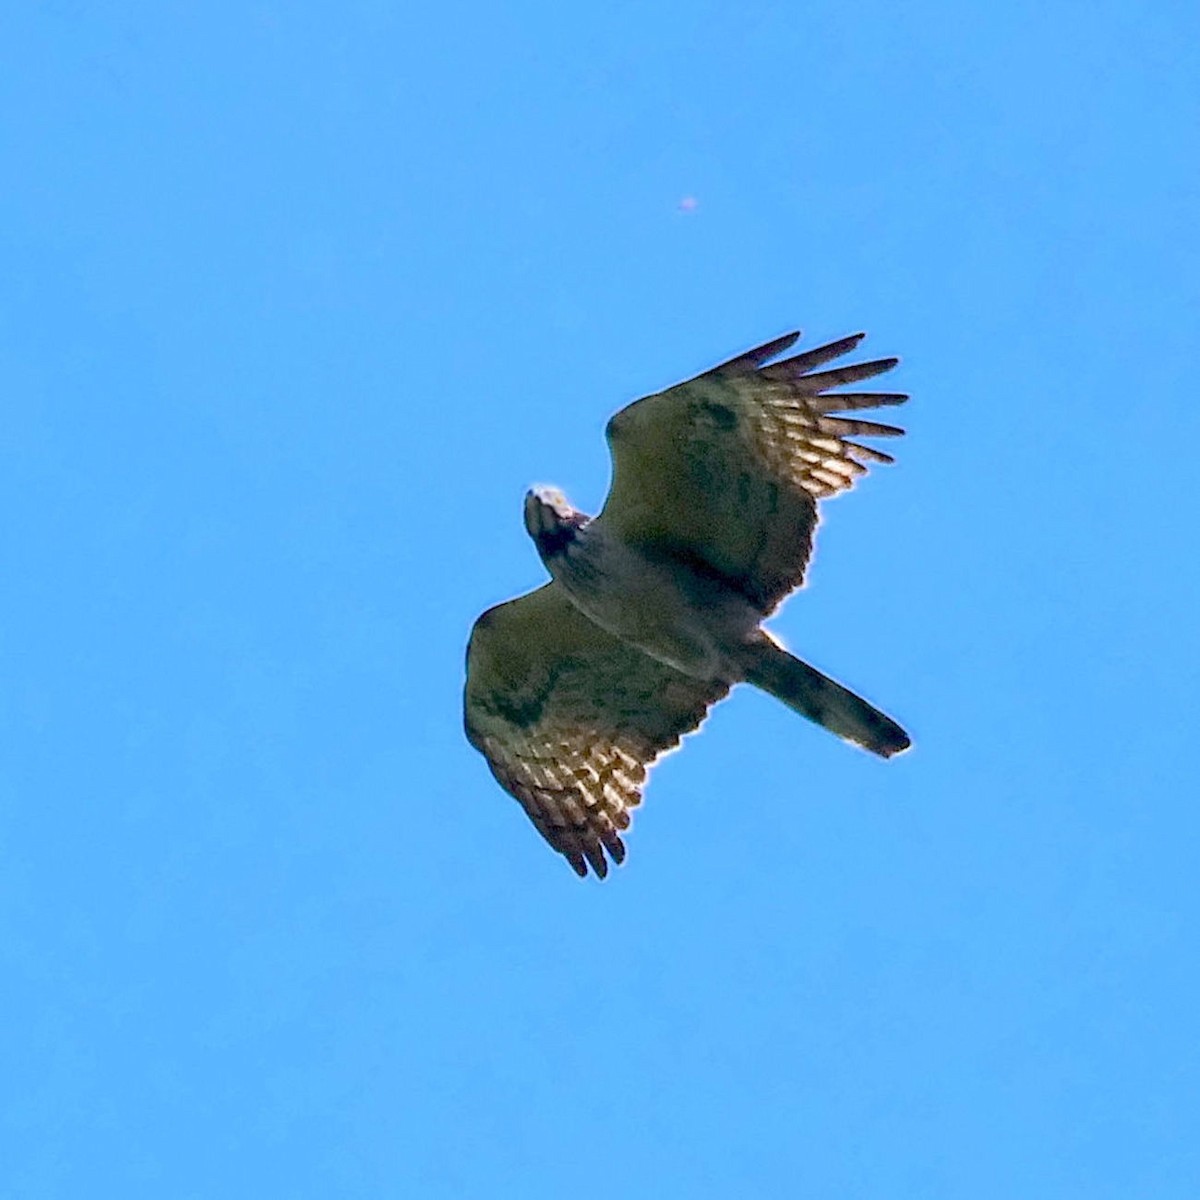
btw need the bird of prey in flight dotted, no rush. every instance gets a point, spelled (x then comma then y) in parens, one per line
(655, 607)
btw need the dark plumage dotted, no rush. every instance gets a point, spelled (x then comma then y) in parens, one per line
(655, 607)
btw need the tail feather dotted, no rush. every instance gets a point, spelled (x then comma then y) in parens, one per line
(815, 696)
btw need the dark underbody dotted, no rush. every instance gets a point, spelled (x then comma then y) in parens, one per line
(553, 542)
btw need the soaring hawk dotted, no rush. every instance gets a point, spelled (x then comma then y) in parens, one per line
(654, 608)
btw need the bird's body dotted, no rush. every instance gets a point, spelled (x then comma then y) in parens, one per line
(656, 605)
(665, 607)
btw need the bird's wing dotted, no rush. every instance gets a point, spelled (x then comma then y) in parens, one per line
(725, 470)
(569, 718)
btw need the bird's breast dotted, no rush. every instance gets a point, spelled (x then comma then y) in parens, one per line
(661, 606)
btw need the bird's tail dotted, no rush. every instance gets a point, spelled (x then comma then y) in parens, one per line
(817, 697)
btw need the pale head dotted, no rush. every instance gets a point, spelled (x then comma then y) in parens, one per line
(551, 521)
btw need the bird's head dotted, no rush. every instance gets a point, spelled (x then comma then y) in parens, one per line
(551, 521)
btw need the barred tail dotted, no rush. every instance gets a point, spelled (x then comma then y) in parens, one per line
(817, 697)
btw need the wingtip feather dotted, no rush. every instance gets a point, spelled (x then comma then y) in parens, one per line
(752, 359)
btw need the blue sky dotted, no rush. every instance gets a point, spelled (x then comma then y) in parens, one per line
(296, 301)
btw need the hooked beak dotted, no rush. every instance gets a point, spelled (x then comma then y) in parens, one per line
(546, 510)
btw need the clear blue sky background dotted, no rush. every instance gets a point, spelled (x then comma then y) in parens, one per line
(296, 301)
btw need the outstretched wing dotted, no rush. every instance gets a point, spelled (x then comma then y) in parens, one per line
(725, 470)
(569, 718)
